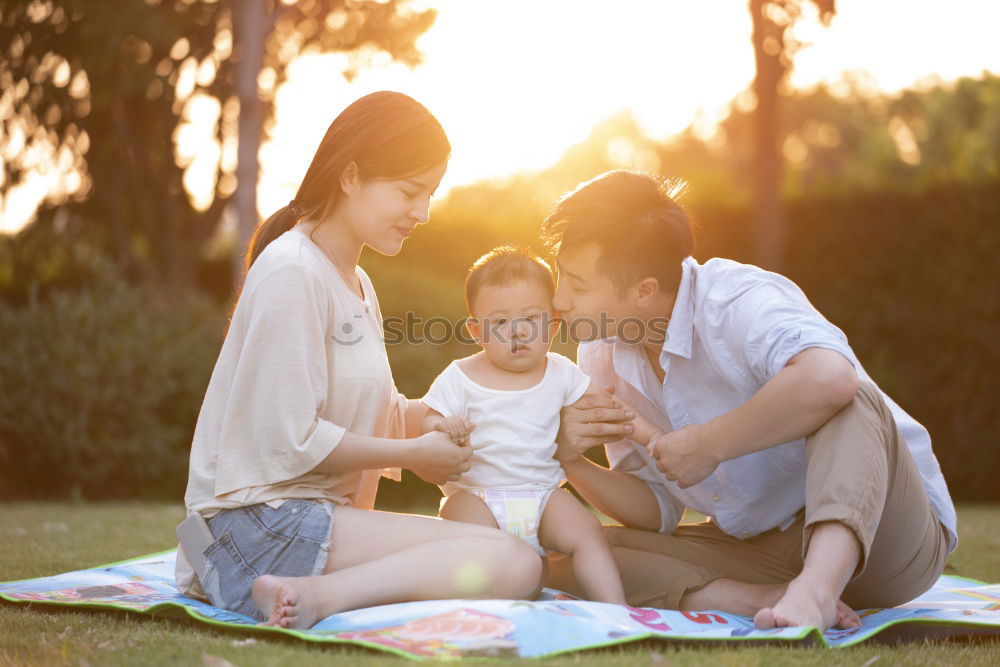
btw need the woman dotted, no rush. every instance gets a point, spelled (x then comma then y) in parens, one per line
(301, 411)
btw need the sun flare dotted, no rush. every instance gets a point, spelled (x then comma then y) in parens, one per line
(517, 83)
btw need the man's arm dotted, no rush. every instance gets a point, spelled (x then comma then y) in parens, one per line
(624, 498)
(814, 386)
(594, 420)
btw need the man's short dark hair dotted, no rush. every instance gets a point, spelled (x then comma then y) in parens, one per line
(507, 265)
(635, 220)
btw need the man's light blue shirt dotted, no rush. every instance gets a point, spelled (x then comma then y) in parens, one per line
(733, 328)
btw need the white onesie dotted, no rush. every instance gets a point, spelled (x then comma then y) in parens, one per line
(513, 466)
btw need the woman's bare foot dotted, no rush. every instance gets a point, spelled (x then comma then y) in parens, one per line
(800, 606)
(285, 601)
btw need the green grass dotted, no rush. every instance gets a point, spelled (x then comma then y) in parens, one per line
(38, 539)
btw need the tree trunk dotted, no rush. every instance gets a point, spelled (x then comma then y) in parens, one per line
(768, 232)
(250, 27)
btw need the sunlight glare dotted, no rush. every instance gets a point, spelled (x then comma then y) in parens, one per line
(517, 83)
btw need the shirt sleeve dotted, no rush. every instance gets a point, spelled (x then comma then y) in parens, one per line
(396, 418)
(624, 456)
(767, 326)
(576, 381)
(396, 428)
(445, 395)
(272, 431)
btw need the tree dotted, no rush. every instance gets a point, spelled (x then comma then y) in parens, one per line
(773, 49)
(110, 91)
(847, 139)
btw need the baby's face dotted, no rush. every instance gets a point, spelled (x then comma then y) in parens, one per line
(514, 324)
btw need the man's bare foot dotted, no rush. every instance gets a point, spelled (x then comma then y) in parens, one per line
(758, 600)
(734, 597)
(800, 606)
(285, 601)
(846, 617)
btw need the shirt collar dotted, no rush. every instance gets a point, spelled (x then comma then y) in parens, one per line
(680, 331)
(629, 359)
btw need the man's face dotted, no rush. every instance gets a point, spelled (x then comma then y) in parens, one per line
(585, 298)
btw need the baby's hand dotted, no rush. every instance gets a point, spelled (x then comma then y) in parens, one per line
(457, 427)
(643, 430)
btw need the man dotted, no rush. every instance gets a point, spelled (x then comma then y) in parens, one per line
(818, 486)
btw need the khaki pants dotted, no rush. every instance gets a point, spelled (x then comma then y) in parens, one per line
(859, 473)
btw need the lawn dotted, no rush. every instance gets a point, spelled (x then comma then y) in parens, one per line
(38, 539)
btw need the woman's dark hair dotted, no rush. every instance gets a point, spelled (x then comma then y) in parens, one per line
(386, 134)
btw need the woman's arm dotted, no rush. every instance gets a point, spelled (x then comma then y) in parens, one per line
(430, 455)
(416, 411)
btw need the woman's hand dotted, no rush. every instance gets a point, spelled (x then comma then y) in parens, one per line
(436, 459)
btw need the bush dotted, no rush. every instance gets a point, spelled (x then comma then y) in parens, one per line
(919, 302)
(101, 380)
(910, 278)
(101, 389)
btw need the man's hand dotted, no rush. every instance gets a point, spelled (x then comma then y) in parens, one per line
(457, 427)
(684, 455)
(436, 459)
(593, 420)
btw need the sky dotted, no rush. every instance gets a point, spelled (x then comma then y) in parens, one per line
(516, 83)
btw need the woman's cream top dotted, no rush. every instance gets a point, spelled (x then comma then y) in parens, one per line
(303, 362)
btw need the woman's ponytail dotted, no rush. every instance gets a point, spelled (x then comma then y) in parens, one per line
(279, 223)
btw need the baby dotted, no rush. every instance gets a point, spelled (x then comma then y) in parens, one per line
(506, 400)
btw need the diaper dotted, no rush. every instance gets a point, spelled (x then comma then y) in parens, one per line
(517, 511)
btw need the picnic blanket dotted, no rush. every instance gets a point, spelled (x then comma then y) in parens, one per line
(556, 623)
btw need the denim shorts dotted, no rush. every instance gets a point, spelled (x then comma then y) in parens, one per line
(290, 541)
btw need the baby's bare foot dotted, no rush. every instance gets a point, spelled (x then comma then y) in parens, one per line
(285, 601)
